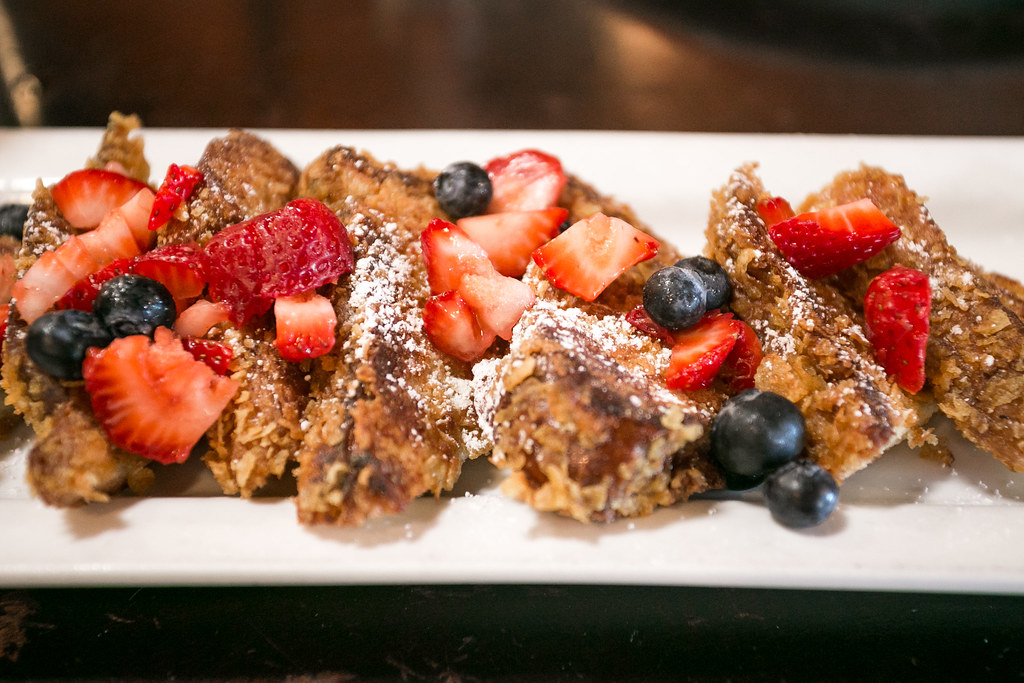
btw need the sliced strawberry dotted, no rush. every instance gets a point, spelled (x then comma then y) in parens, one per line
(197, 319)
(76, 258)
(8, 273)
(587, 257)
(305, 326)
(774, 210)
(81, 295)
(177, 186)
(111, 240)
(525, 181)
(84, 197)
(640, 319)
(822, 243)
(136, 212)
(284, 252)
(41, 286)
(216, 355)
(451, 325)
(741, 364)
(699, 352)
(897, 307)
(510, 237)
(153, 398)
(179, 267)
(450, 254)
(498, 301)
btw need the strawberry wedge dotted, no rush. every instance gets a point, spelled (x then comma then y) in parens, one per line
(525, 181)
(84, 197)
(510, 237)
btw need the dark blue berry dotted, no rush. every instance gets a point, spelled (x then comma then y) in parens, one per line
(716, 280)
(674, 298)
(57, 341)
(132, 304)
(755, 433)
(801, 494)
(12, 219)
(463, 189)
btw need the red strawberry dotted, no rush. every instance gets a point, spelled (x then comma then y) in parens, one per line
(179, 267)
(215, 354)
(699, 352)
(74, 256)
(136, 212)
(525, 181)
(822, 243)
(153, 398)
(587, 257)
(41, 286)
(177, 186)
(111, 240)
(8, 273)
(305, 326)
(774, 210)
(640, 319)
(896, 311)
(451, 325)
(85, 197)
(450, 254)
(741, 364)
(284, 252)
(510, 237)
(197, 319)
(498, 301)
(81, 295)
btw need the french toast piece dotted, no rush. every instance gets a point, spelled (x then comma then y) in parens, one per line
(815, 350)
(71, 461)
(259, 433)
(391, 416)
(578, 409)
(975, 357)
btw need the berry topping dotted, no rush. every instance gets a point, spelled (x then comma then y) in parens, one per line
(305, 326)
(740, 366)
(451, 325)
(112, 239)
(822, 243)
(801, 494)
(178, 267)
(675, 297)
(896, 311)
(85, 197)
(450, 254)
(82, 294)
(700, 350)
(131, 304)
(774, 210)
(12, 220)
(716, 280)
(135, 213)
(197, 319)
(587, 257)
(57, 341)
(284, 252)
(152, 397)
(510, 237)
(176, 188)
(639, 319)
(525, 181)
(755, 433)
(216, 355)
(463, 189)
(498, 301)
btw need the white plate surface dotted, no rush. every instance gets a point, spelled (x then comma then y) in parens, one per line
(903, 523)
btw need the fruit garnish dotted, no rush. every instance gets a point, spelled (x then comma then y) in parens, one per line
(451, 325)
(152, 397)
(179, 267)
(774, 210)
(510, 237)
(178, 184)
(801, 494)
(897, 307)
(305, 326)
(132, 304)
(136, 212)
(639, 318)
(112, 239)
(498, 301)
(717, 286)
(292, 250)
(462, 189)
(217, 355)
(587, 257)
(699, 351)
(450, 254)
(84, 197)
(675, 298)
(525, 181)
(740, 366)
(197, 319)
(58, 341)
(822, 243)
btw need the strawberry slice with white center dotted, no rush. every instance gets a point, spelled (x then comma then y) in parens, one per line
(111, 240)
(510, 237)
(84, 197)
(305, 326)
(41, 286)
(153, 398)
(451, 325)
(587, 257)
(700, 351)
(822, 243)
(525, 181)
(774, 210)
(135, 212)
(450, 254)
(197, 319)
(498, 301)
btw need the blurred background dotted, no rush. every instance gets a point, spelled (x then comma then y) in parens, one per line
(947, 67)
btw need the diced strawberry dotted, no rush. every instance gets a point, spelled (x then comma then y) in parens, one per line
(774, 210)
(700, 351)
(197, 319)
(136, 212)
(111, 240)
(84, 197)
(510, 237)
(284, 252)
(498, 301)
(305, 326)
(450, 254)
(177, 186)
(76, 258)
(451, 325)
(81, 295)
(216, 355)
(587, 257)
(640, 319)
(822, 243)
(525, 181)
(41, 286)
(153, 398)
(179, 267)
(741, 364)
(897, 307)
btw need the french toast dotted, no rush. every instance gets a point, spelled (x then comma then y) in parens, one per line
(816, 353)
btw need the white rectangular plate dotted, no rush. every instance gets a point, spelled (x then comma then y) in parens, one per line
(903, 524)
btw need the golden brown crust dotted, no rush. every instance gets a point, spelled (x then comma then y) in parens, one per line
(120, 146)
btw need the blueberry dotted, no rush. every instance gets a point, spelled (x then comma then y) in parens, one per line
(57, 341)
(755, 433)
(12, 219)
(674, 298)
(716, 280)
(463, 189)
(132, 304)
(801, 494)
